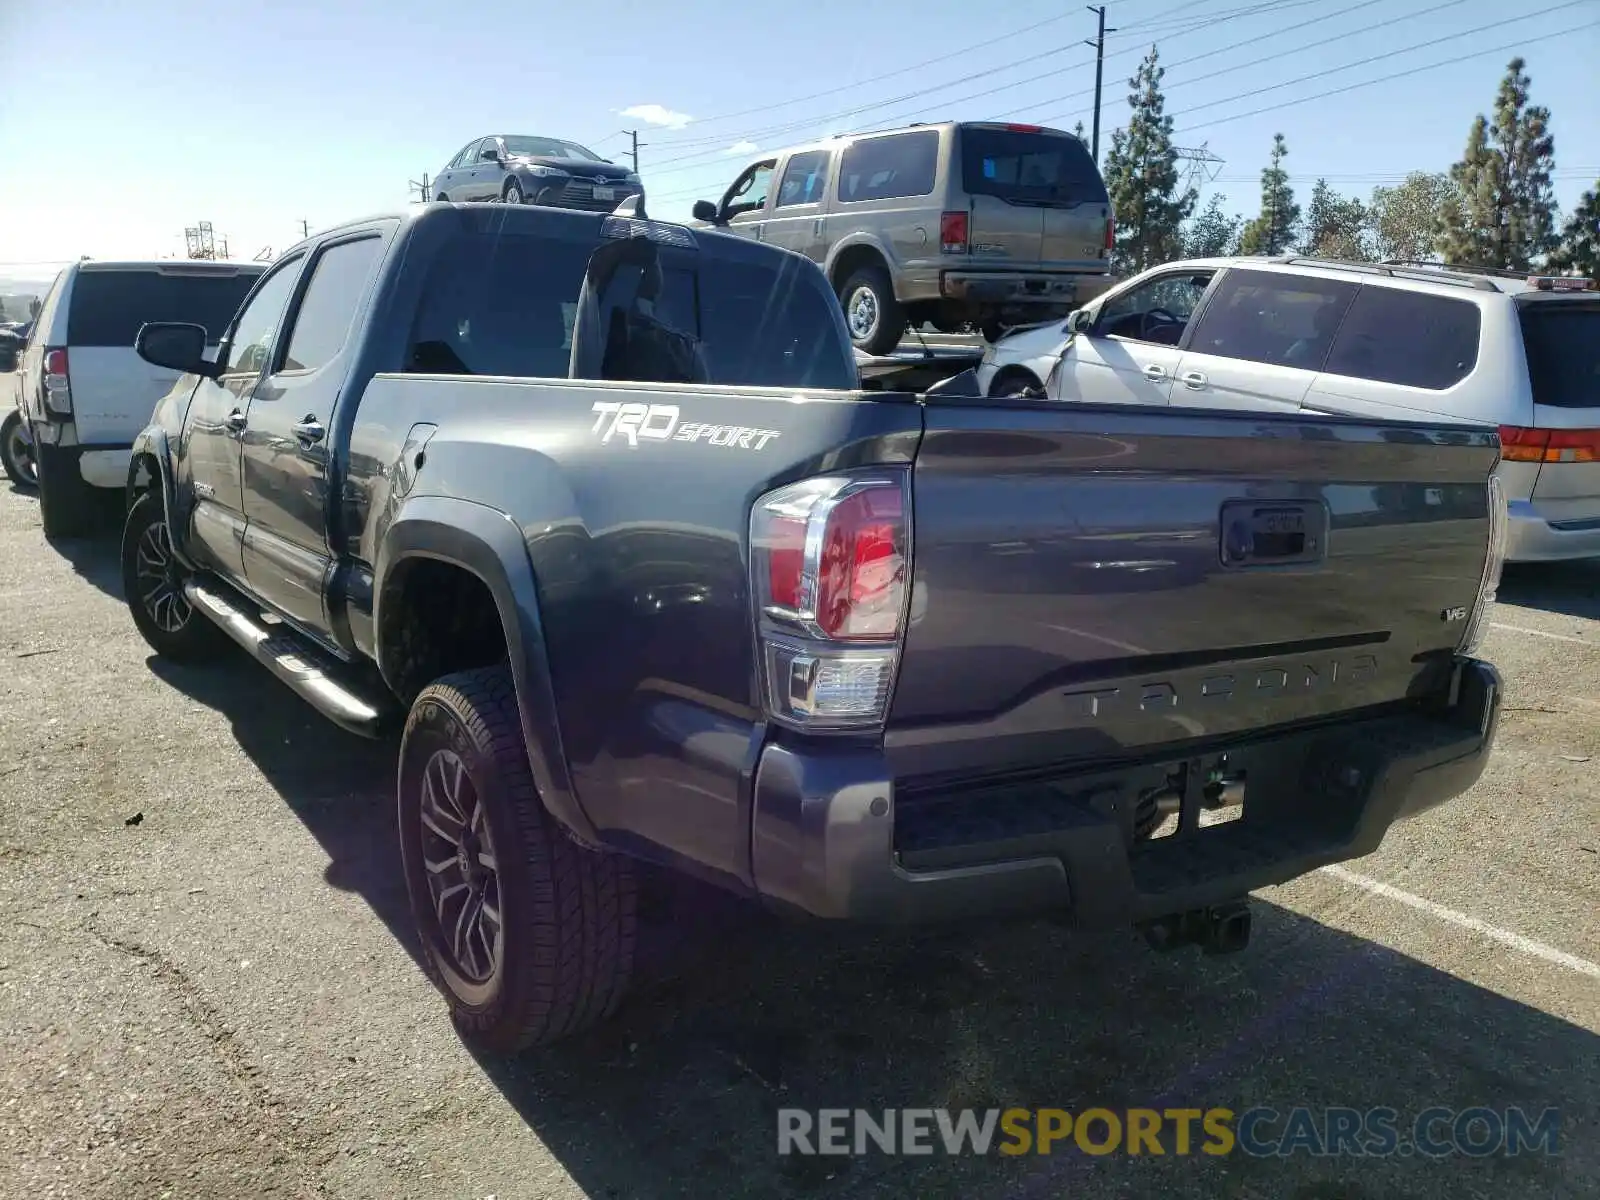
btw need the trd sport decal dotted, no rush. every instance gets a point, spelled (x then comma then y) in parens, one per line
(659, 423)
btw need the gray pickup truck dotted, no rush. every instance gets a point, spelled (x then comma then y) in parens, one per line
(594, 509)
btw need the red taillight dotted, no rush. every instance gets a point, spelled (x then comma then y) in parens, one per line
(55, 361)
(831, 564)
(1025, 128)
(1111, 233)
(953, 232)
(861, 575)
(1518, 444)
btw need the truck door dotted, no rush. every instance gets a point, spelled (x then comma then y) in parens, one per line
(288, 438)
(209, 447)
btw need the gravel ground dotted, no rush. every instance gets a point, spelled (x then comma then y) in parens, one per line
(207, 981)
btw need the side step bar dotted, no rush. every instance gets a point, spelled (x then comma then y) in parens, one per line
(314, 675)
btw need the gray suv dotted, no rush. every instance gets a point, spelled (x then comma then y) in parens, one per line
(515, 168)
(955, 224)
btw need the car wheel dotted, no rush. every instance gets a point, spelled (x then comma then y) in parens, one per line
(68, 507)
(1016, 383)
(441, 198)
(877, 321)
(152, 582)
(529, 936)
(16, 451)
(513, 192)
(992, 331)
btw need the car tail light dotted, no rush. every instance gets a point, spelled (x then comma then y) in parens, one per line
(1564, 283)
(830, 561)
(1025, 128)
(57, 382)
(1518, 444)
(1489, 585)
(953, 232)
(1111, 233)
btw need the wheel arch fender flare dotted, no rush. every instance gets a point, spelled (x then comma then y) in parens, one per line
(151, 453)
(854, 247)
(488, 544)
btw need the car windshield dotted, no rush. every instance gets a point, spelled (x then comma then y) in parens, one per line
(543, 147)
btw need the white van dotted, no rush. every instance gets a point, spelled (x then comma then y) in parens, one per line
(85, 392)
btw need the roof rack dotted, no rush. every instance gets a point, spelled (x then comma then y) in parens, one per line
(1469, 268)
(1433, 272)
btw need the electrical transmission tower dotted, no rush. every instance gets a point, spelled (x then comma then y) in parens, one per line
(201, 242)
(264, 254)
(422, 187)
(1203, 167)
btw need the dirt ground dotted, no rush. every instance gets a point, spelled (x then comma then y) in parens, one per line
(208, 989)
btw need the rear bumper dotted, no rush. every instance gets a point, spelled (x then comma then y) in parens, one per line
(99, 464)
(1533, 538)
(832, 838)
(1022, 287)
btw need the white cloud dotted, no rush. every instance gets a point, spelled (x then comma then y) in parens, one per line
(657, 114)
(742, 148)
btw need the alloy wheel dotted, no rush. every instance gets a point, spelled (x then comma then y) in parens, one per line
(462, 871)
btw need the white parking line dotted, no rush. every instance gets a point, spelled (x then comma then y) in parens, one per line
(1558, 637)
(1504, 936)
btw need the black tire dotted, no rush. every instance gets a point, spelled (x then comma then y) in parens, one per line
(887, 325)
(991, 331)
(441, 198)
(152, 583)
(1015, 383)
(68, 507)
(563, 954)
(512, 193)
(17, 451)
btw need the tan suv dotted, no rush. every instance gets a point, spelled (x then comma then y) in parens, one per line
(984, 224)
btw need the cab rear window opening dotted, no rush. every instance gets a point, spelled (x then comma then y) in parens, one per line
(503, 305)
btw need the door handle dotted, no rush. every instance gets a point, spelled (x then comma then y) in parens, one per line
(816, 227)
(1193, 380)
(308, 429)
(1155, 371)
(235, 421)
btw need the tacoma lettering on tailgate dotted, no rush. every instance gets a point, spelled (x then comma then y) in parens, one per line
(1255, 684)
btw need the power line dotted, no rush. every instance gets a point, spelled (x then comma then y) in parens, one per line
(1194, 58)
(1448, 62)
(963, 52)
(809, 122)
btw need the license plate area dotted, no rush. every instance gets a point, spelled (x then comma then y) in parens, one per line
(605, 193)
(1264, 534)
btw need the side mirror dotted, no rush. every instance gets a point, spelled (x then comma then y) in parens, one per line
(704, 210)
(1081, 321)
(176, 346)
(488, 156)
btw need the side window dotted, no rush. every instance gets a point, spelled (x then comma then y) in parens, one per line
(904, 164)
(1410, 338)
(804, 178)
(749, 191)
(464, 156)
(339, 279)
(257, 324)
(1273, 317)
(1155, 311)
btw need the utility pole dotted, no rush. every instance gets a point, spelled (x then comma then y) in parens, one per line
(421, 187)
(1099, 45)
(634, 153)
(305, 228)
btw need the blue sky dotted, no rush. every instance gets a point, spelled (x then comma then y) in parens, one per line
(121, 122)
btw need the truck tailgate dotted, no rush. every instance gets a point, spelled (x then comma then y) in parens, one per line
(1104, 581)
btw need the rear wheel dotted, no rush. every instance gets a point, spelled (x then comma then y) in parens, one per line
(441, 198)
(876, 319)
(152, 582)
(1015, 383)
(68, 507)
(16, 451)
(529, 936)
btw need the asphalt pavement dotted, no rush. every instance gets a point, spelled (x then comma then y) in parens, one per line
(208, 985)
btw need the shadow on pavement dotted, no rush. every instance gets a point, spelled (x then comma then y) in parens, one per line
(679, 1094)
(1571, 589)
